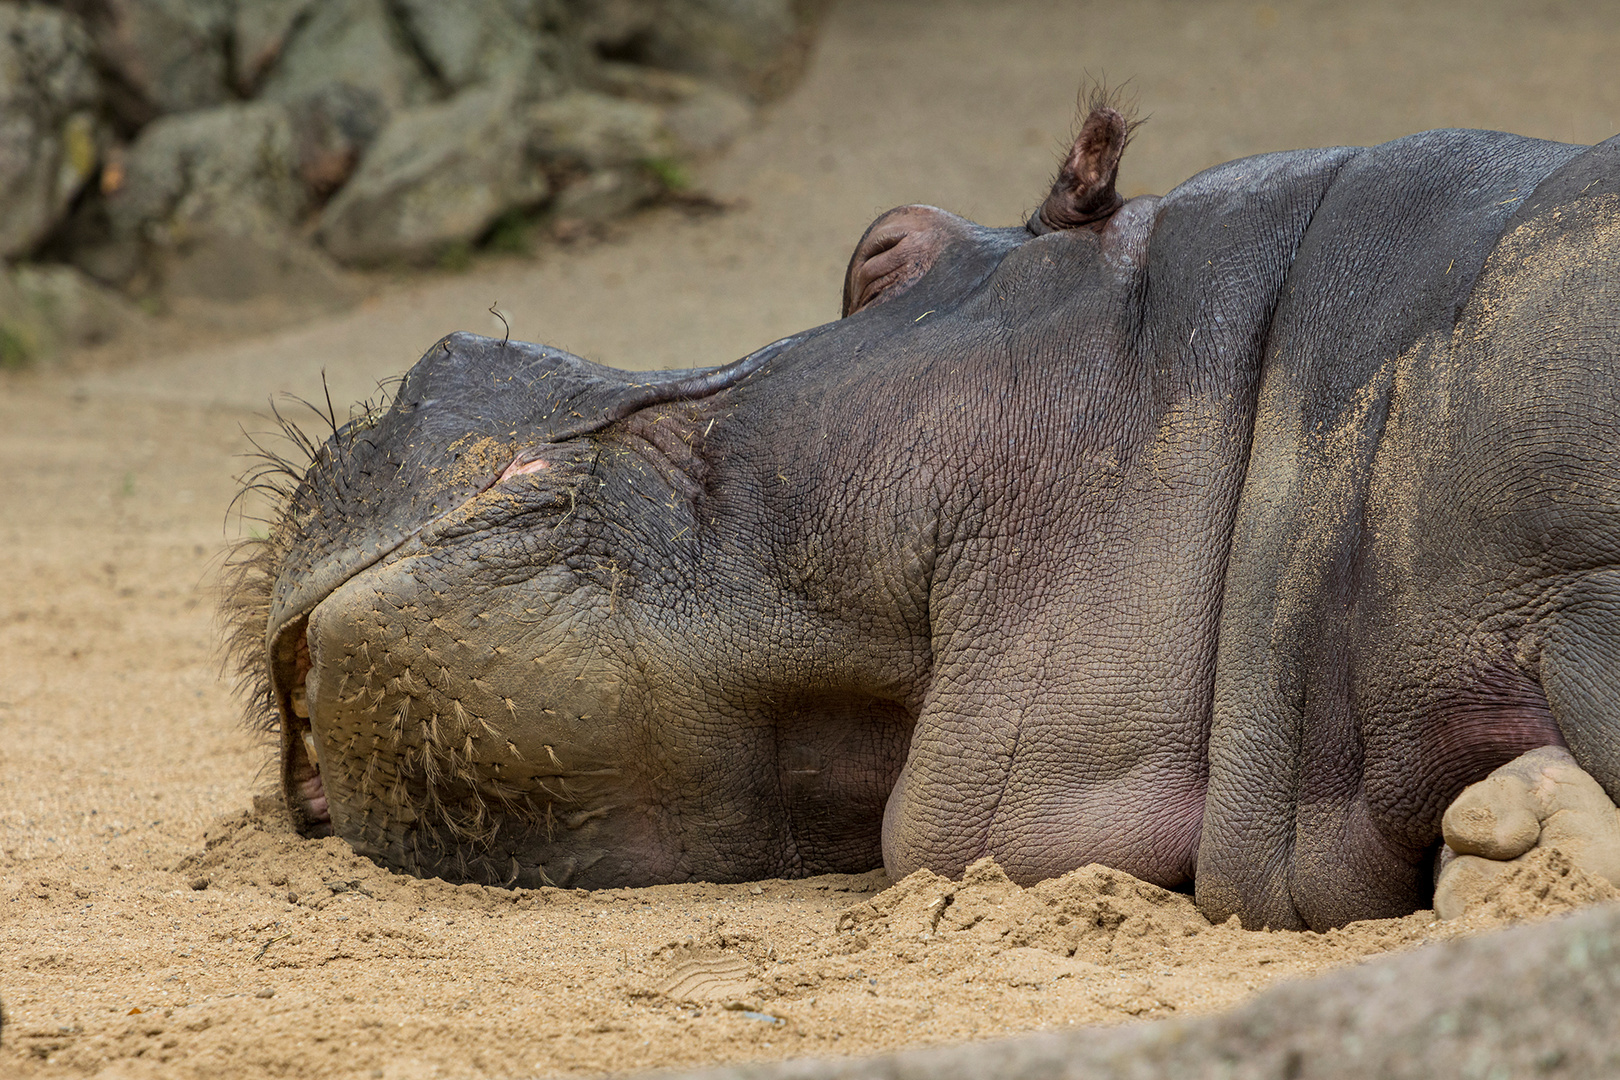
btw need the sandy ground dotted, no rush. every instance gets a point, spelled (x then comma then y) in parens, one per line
(157, 918)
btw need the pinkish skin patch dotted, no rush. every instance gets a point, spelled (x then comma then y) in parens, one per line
(519, 467)
(313, 792)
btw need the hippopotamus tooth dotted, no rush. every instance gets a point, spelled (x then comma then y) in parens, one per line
(1222, 538)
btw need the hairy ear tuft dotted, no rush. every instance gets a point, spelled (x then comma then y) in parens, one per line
(1083, 194)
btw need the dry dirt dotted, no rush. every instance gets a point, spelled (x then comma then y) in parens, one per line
(157, 918)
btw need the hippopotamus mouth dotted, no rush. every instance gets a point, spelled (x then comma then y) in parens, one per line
(289, 648)
(300, 758)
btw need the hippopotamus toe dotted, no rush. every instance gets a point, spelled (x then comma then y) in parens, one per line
(1538, 800)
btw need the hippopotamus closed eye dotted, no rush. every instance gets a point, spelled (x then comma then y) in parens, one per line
(1223, 537)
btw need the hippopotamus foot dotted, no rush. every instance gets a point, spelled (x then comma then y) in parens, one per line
(1541, 799)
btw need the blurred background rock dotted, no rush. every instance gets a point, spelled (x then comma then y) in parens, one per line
(158, 151)
(384, 133)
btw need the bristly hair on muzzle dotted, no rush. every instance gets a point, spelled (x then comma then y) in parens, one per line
(248, 579)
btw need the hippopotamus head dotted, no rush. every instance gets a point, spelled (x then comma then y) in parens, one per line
(1093, 539)
(543, 621)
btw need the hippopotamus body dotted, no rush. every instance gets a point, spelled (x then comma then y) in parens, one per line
(1222, 537)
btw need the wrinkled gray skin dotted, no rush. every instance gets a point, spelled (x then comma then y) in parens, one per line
(1222, 538)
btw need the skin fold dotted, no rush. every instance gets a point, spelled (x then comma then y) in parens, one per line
(1223, 538)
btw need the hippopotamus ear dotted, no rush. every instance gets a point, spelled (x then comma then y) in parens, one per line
(1083, 194)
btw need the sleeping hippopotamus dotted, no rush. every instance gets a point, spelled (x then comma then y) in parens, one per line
(1224, 538)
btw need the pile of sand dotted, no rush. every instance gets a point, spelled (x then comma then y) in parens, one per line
(275, 955)
(1544, 883)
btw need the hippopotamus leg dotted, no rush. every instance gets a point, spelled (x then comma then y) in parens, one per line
(1538, 800)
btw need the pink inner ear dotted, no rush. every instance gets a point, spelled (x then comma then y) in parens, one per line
(1083, 194)
(889, 268)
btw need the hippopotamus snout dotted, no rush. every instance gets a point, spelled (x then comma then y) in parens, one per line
(495, 723)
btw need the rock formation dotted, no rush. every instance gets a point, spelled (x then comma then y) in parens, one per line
(230, 148)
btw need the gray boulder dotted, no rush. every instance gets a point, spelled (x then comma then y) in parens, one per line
(753, 46)
(649, 117)
(600, 196)
(593, 131)
(48, 310)
(600, 149)
(707, 121)
(48, 132)
(227, 166)
(1534, 1000)
(700, 118)
(160, 56)
(356, 42)
(259, 33)
(206, 209)
(333, 128)
(612, 154)
(483, 41)
(437, 175)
